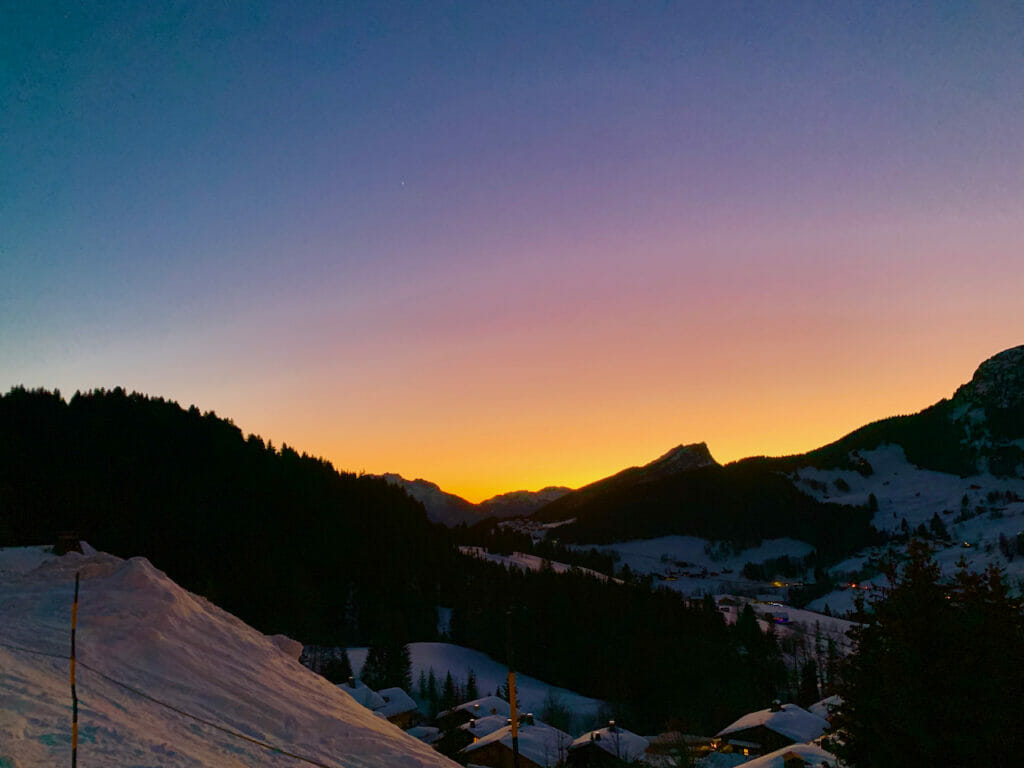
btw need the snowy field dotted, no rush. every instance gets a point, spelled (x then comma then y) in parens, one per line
(905, 491)
(527, 562)
(139, 628)
(490, 675)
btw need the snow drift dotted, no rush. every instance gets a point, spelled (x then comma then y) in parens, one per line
(138, 627)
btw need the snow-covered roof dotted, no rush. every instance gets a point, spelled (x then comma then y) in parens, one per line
(540, 742)
(813, 755)
(790, 721)
(428, 734)
(396, 701)
(486, 705)
(825, 707)
(623, 744)
(484, 726)
(364, 695)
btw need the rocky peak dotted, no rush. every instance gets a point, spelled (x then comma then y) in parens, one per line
(998, 382)
(683, 458)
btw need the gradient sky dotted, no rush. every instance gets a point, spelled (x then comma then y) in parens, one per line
(504, 245)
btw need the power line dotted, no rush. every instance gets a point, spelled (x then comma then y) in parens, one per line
(171, 707)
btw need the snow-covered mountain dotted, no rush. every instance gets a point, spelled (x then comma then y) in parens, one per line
(137, 627)
(451, 510)
(521, 503)
(442, 507)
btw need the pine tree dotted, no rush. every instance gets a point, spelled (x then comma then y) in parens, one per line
(448, 693)
(472, 692)
(338, 668)
(433, 695)
(375, 669)
(935, 675)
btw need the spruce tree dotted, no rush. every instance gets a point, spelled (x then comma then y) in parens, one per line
(935, 676)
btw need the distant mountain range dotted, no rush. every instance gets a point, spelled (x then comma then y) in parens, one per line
(978, 431)
(452, 510)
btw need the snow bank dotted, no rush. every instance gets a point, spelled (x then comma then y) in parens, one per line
(140, 628)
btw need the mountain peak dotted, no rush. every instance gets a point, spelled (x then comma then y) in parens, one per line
(998, 382)
(683, 458)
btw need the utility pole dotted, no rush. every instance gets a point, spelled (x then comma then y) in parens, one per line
(74, 693)
(512, 692)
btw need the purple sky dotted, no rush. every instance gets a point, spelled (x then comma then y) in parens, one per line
(504, 245)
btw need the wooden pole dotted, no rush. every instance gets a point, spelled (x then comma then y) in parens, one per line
(512, 695)
(74, 694)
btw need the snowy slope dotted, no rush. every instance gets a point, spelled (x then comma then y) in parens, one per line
(140, 628)
(490, 675)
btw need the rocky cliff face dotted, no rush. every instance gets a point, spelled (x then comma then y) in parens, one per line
(997, 384)
(989, 414)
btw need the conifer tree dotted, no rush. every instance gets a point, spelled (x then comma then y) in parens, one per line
(448, 693)
(935, 674)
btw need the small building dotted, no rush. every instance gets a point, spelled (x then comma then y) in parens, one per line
(826, 708)
(399, 708)
(364, 695)
(425, 733)
(795, 756)
(611, 745)
(540, 746)
(472, 710)
(453, 741)
(778, 726)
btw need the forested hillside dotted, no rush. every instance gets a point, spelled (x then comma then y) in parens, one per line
(283, 540)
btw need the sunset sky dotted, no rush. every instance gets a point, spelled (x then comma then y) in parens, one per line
(505, 245)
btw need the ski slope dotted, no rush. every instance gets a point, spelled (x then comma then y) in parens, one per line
(139, 628)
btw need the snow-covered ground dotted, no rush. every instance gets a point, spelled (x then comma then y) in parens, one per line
(695, 566)
(138, 627)
(526, 562)
(811, 625)
(490, 675)
(904, 491)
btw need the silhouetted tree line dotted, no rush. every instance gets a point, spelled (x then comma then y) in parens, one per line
(649, 651)
(281, 539)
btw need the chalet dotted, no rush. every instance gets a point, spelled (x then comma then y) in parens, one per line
(364, 695)
(607, 746)
(540, 746)
(826, 708)
(472, 710)
(456, 739)
(778, 726)
(398, 708)
(795, 756)
(664, 748)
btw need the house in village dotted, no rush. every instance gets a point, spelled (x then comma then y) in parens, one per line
(608, 746)
(770, 729)
(454, 740)
(540, 746)
(826, 708)
(399, 708)
(363, 694)
(392, 704)
(472, 710)
(795, 756)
